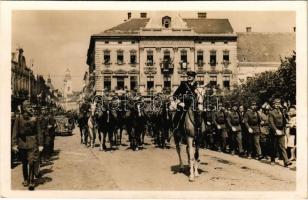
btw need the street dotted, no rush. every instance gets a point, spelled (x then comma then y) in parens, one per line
(76, 167)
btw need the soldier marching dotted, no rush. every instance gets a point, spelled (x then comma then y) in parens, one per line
(250, 133)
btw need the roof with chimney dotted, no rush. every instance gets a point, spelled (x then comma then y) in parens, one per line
(209, 26)
(264, 47)
(134, 26)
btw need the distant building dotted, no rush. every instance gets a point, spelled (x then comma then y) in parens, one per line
(259, 52)
(67, 84)
(22, 79)
(154, 53)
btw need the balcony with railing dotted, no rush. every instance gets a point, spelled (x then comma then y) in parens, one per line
(166, 67)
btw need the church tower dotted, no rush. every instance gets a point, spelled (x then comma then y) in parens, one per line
(67, 90)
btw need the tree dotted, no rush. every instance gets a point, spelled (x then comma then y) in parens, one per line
(269, 85)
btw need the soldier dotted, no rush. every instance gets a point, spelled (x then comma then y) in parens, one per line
(219, 120)
(277, 123)
(209, 131)
(50, 134)
(234, 123)
(27, 139)
(184, 98)
(252, 123)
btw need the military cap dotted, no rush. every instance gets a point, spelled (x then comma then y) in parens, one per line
(235, 103)
(277, 100)
(191, 73)
(253, 102)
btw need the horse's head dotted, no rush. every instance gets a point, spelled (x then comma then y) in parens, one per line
(200, 97)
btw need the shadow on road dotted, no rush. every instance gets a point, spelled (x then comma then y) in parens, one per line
(176, 169)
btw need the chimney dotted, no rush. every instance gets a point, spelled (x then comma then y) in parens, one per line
(294, 29)
(248, 29)
(129, 15)
(201, 15)
(143, 15)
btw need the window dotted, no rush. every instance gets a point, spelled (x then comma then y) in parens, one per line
(184, 59)
(212, 42)
(200, 80)
(167, 82)
(133, 59)
(120, 83)
(106, 42)
(225, 42)
(226, 82)
(150, 58)
(213, 80)
(120, 42)
(150, 82)
(120, 57)
(133, 42)
(213, 58)
(106, 57)
(166, 22)
(107, 82)
(226, 57)
(200, 58)
(167, 59)
(133, 82)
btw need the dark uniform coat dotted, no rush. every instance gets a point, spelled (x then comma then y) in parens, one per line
(234, 120)
(276, 120)
(219, 118)
(252, 120)
(27, 133)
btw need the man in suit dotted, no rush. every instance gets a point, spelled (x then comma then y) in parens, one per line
(27, 140)
(277, 124)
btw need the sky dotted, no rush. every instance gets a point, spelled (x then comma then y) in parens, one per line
(59, 40)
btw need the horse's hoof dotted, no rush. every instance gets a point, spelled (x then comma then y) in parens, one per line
(191, 179)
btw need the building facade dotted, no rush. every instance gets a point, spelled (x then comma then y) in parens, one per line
(154, 54)
(258, 52)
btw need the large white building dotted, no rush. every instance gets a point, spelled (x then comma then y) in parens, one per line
(154, 52)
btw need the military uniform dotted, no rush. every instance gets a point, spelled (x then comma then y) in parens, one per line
(277, 123)
(219, 119)
(184, 93)
(234, 122)
(252, 122)
(28, 137)
(209, 129)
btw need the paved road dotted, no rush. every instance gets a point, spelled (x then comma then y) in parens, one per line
(76, 167)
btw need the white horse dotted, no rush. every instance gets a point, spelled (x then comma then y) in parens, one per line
(192, 127)
(92, 125)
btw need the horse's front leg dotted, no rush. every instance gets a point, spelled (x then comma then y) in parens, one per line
(191, 158)
(178, 150)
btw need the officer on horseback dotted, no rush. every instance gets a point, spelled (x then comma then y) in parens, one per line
(185, 97)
